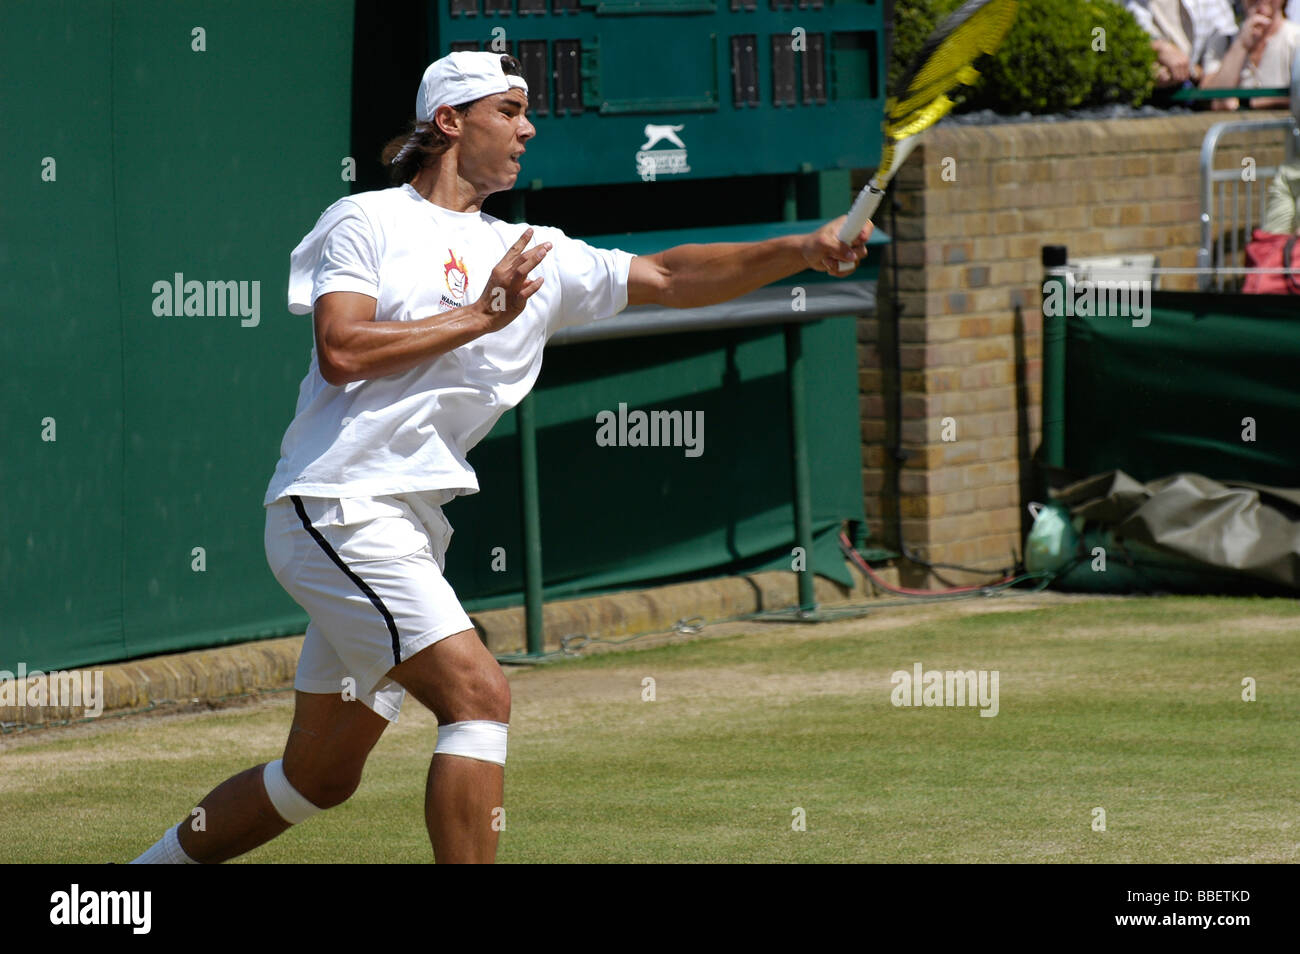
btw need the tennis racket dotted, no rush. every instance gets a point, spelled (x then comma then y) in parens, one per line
(921, 99)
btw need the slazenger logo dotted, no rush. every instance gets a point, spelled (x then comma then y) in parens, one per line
(103, 907)
(661, 162)
(457, 281)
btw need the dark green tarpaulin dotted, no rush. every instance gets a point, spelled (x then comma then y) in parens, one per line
(1175, 395)
(1185, 533)
(1181, 438)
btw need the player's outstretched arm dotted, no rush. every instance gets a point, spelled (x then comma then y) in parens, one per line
(690, 276)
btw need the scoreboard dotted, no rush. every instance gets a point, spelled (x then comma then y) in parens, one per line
(669, 90)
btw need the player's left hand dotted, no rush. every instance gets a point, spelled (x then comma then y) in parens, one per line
(823, 251)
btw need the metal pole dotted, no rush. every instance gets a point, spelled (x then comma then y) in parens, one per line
(527, 422)
(799, 433)
(1056, 273)
(803, 534)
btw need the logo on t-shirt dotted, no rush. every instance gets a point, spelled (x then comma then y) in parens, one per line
(457, 281)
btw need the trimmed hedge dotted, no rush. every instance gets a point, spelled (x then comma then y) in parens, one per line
(1126, 72)
(1059, 55)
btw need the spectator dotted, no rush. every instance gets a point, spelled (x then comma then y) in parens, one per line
(1283, 212)
(1292, 9)
(1261, 55)
(1183, 33)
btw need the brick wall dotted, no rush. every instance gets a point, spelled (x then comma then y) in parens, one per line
(976, 206)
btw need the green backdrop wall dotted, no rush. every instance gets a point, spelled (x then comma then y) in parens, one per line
(165, 159)
(135, 447)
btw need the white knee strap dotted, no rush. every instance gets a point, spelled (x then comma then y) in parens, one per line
(288, 801)
(479, 739)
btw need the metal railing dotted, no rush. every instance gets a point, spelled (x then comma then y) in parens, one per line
(1229, 215)
(1214, 261)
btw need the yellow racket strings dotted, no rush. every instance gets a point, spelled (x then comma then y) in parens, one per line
(925, 100)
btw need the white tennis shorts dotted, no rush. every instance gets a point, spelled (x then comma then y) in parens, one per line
(368, 571)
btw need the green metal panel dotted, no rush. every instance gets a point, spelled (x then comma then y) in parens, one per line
(60, 337)
(667, 63)
(617, 516)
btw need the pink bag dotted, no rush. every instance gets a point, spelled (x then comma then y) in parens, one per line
(1271, 250)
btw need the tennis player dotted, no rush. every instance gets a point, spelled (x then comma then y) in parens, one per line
(430, 319)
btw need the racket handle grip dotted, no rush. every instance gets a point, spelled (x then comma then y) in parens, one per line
(864, 207)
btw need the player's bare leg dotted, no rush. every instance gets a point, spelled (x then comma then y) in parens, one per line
(323, 758)
(237, 816)
(460, 796)
(459, 681)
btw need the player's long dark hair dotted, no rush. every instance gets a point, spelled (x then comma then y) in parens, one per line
(424, 142)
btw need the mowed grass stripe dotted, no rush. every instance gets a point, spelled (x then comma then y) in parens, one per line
(1129, 705)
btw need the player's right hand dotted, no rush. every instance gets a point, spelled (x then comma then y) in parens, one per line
(823, 251)
(509, 287)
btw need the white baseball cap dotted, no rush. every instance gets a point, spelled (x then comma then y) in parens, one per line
(460, 78)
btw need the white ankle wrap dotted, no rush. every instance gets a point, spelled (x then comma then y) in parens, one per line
(478, 739)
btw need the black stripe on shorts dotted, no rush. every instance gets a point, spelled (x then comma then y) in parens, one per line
(361, 584)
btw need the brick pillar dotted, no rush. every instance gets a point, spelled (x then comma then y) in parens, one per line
(976, 205)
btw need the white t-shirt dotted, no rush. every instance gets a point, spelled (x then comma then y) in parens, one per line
(411, 432)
